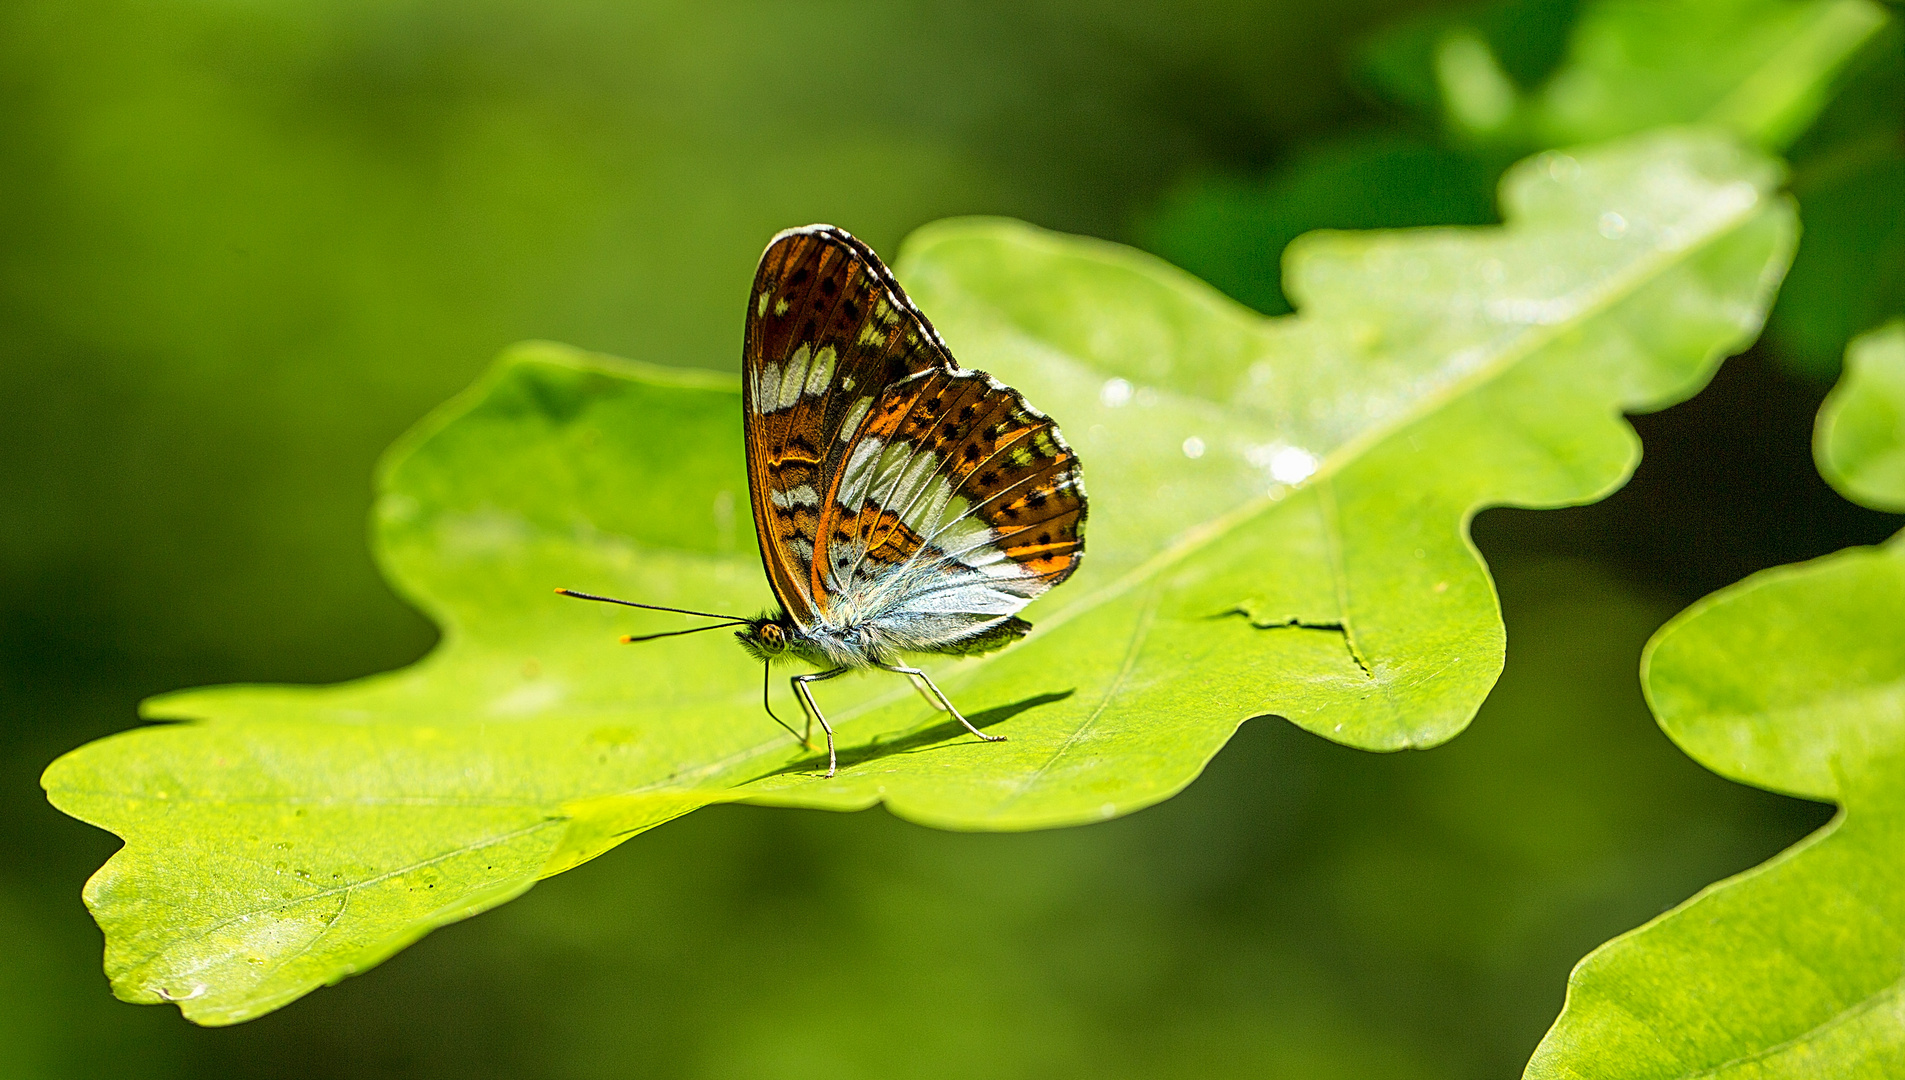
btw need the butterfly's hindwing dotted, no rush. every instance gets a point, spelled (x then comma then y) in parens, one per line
(960, 505)
(891, 488)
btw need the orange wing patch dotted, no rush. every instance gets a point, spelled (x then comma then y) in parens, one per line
(1029, 492)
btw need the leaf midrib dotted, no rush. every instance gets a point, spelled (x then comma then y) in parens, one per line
(345, 889)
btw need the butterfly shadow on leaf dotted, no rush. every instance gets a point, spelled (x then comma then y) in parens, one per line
(937, 736)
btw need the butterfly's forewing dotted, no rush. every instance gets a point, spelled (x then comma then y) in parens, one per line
(828, 331)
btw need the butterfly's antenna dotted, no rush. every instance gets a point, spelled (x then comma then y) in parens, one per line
(630, 639)
(650, 607)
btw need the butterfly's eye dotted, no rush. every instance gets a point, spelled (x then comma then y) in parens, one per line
(771, 635)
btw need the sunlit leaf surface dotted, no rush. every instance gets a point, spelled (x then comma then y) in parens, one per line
(1792, 680)
(1278, 527)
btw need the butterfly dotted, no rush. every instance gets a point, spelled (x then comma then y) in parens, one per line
(903, 504)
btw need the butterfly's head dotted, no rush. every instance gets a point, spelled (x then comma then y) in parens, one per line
(769, 637)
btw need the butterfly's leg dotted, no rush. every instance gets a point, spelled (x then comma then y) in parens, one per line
(807, 714)
(766, 672)
(944, 702)
(799, 683)
(920, 685)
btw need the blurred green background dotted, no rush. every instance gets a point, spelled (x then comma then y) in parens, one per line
(244, 245)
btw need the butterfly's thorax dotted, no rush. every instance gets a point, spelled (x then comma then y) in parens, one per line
(846, 646)
(775, 638)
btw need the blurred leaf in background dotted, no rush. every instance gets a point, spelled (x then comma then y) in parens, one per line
(1495, 81)
(1541, 73)
(1231, 230)
(1849, 177)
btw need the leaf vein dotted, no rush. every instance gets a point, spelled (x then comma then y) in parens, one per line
(349, 887)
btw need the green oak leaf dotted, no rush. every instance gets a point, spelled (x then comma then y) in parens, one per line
(1858, 441)
(1792, 680)
(1278, 528)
